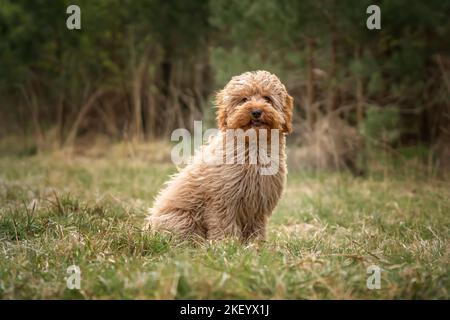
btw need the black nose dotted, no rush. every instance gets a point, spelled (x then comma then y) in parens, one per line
(256, 113)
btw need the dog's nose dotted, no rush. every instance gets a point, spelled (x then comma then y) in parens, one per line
(256, 113)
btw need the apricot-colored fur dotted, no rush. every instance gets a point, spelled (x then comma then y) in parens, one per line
(215, 201)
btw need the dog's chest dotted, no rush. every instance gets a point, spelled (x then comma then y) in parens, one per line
(254, 193)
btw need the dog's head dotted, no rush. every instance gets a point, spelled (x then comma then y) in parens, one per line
(255, 100)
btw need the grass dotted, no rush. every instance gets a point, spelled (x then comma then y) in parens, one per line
(57, 210)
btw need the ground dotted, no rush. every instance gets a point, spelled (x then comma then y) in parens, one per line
(58, 210)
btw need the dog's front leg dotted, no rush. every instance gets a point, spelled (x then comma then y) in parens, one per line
(257, 231)
(220, 226)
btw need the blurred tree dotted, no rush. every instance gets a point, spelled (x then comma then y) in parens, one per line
(138, 69)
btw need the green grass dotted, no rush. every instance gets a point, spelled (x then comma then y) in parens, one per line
(57, 211)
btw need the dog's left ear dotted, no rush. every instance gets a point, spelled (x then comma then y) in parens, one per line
(288, 109)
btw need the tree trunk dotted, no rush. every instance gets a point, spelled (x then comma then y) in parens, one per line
(359, 91)
(310, 88)
(332, 89)
(137, 130)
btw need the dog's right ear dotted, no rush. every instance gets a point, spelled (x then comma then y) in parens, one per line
(221, 112)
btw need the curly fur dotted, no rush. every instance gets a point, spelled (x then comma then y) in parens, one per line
(215, 201)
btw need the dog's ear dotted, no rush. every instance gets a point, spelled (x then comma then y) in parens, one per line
(221, 112)
(288, 110)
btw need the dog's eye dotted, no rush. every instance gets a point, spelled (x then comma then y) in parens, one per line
(268, 99)
(243, 100)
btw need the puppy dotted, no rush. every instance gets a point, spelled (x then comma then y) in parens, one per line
(214, 198)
